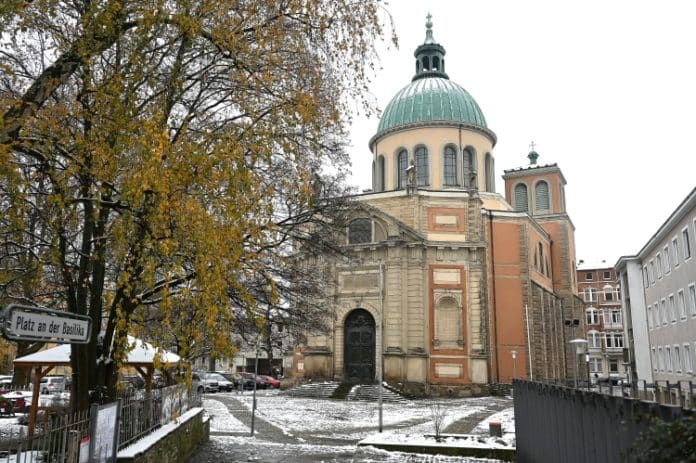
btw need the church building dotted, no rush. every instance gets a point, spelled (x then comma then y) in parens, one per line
(452, 287)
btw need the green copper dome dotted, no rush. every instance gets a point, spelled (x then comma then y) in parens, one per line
(431, 98)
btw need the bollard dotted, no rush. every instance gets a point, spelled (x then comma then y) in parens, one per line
(495, 429)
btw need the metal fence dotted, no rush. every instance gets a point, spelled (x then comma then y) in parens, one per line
(680, 393)
(56, 439)
(143, 412)
(561, 424)
(57, 436)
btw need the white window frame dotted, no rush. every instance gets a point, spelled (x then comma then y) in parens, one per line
(646, 277)
(675, 251)
(654, 359)
(668, 265)
(594, 335)
(668, 359)
(681, 304)
(592, 316)
(611, 340)
(650, 317)
(651, 272)
(688, 362)
(595, 365)
(658, 265)
(663, 312)
(692, 299)
(660, 359)
(591, 292)
(686, 242)
(677, 359)
(656, 315)
(673, 308)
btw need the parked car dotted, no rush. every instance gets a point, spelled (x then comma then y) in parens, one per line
(224, 384)
(12, 402)
(271, 381)
(201, 383)
(260, 383)
(52, 384)
(247, 382)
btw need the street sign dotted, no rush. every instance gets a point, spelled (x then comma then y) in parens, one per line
(26, 323)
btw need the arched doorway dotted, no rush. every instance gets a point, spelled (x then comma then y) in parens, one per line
(359, 347)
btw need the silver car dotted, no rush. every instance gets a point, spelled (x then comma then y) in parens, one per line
(202, 383)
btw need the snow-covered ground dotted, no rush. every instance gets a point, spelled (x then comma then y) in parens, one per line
(325, 430)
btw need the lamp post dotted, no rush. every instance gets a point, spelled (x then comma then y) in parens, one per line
(514, 364)
(578, 349)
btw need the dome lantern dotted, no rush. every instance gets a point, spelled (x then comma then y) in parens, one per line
(430, 56)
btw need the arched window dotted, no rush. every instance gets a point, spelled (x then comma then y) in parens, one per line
(541, 195)
(470, 167)
(521, 203)
(436, 63)
(426, 63)
(490, 176)
(421, 166)
(360, 231)
(608, 293)
(380, 174)
(402, 165)
(450, 166)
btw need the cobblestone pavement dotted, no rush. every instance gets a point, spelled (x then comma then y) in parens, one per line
(272, 444)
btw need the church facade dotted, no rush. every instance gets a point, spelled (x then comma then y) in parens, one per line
(452, 286)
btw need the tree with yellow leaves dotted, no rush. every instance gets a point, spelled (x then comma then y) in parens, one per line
(150, 144)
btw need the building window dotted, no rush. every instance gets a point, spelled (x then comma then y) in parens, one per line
(682, 304)
(646, 281)
(402, 165)
(650, 317)
(607, 275)
(613, 365)
(615, 317)
(668, 267)
(651, 272)
(608, 293)
(675, 251)
(590, 295)
(658, 265)
(677, 360)
(360, 231)
(521, 198)
(592, 316)
(450, 166)
(660, 359)
(688, 364)
(381, 185)
(663, 311)
(668, 358)
(672, 308)
(656, 316)
(588, 276)
(593, 340)
(422, 166)
(595, 365)
(687, 243)
(614, 340)
(541, 196)
(692, 299)
(654, 359)
(490, 173)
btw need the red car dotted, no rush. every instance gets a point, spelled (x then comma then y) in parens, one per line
(271, 381)
(16, 399)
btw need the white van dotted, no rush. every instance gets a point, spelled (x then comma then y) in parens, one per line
(52, 384)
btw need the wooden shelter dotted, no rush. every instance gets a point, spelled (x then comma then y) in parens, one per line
(141, 357)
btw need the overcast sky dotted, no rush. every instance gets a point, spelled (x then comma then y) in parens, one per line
(606, 89)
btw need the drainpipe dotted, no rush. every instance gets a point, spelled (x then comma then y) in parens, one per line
(494, 312)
